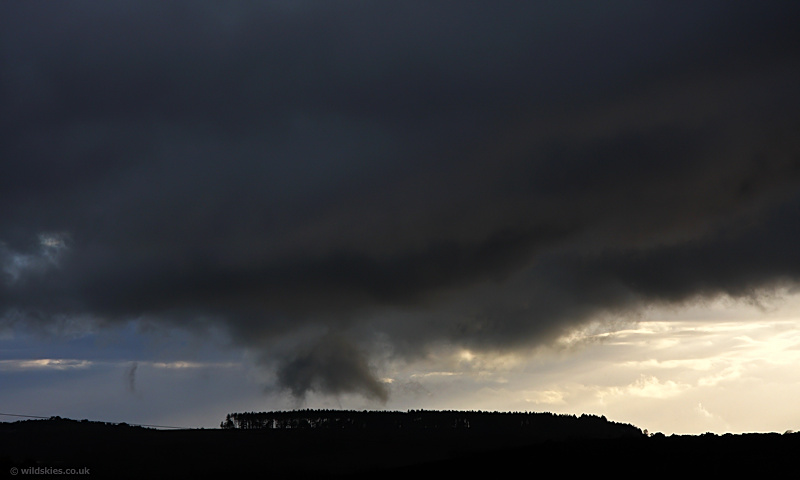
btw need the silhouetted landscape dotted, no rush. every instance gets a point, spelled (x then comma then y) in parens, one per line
(313, 443)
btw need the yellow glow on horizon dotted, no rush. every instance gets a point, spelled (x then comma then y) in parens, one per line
(44, 363)
(184, 365)
(466, 355)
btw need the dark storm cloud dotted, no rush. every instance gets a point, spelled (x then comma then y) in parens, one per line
(331, 366)
(485, 174)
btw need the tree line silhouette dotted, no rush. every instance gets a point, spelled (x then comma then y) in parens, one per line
(542, 423)
(362, 444)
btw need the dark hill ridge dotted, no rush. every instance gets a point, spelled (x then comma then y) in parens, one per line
(375, 444)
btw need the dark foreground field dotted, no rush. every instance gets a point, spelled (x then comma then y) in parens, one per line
(120, 451)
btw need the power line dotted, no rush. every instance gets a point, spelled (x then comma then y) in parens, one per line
(161, 426)
(131, 424)
(25, 416)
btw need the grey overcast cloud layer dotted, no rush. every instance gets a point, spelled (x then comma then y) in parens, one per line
(337, 183)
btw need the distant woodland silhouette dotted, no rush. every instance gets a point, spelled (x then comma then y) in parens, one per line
(362, 444)
(545, 425)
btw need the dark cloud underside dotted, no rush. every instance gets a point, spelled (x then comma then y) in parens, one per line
(484, 174)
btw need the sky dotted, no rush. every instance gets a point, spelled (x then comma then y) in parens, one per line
(576, 207)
